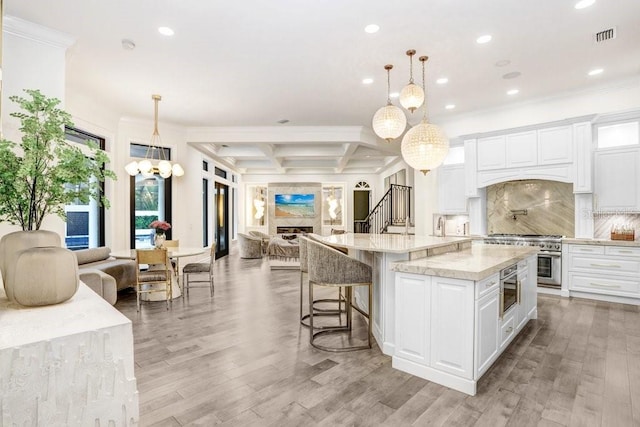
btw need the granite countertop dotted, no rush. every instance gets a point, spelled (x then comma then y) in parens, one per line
(390, 243)
(605, 242)
(476, 263)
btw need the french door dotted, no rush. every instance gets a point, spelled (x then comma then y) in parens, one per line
(221, 200)
(150, 199)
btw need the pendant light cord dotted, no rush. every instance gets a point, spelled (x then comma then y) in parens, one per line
(388, 67)
(424, 59)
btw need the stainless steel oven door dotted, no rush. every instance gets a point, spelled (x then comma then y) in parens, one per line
(550, 268)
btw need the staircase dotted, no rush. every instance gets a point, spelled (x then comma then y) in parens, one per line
(392, 210)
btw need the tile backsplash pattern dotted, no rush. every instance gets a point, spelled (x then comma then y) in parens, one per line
(549, 205)
(602, 224)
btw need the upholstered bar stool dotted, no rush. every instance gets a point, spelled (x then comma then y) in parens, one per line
(302, 242)
(330, 267)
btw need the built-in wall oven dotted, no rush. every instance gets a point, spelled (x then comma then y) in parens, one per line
(549, 257)
(509, 288)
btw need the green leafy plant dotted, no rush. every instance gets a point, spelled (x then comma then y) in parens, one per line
(44, 172)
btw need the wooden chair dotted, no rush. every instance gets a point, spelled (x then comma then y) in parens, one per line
(175, 263)
(158, 273)
(200, 268)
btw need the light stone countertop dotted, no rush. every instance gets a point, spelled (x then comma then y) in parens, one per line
(390, 243)
(604, 242)
(476, 263)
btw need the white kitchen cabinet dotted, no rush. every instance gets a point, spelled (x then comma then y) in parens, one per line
(583, 158)
(452, 326)
(451, 189)
(555, 145)
(617, 179)
(521, 149)
(491, 153)
(604, 270)
(521, 309)
(487, 326)
(413, 323)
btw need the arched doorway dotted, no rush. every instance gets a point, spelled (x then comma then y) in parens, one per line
(361, 204)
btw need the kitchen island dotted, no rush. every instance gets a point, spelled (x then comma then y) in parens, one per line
(454, 315)
(380, 251)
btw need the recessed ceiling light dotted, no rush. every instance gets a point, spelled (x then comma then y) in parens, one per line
(512, 75)
(513, 92)
(371, 28)
(584, 3)
(595, 71)
(166, 31)
(394, 95)
(483, 39)
(367, 81)
(503, 63)
(442, 80)
(450, 106)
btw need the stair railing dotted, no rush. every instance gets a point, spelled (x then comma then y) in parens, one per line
(392, 209)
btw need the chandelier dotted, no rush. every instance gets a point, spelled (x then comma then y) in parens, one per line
(425, 145)
(147, 167)
(412, 95)
(389, 121)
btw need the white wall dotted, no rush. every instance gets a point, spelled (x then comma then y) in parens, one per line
(33, 58)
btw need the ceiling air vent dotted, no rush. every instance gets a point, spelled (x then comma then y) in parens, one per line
(605, 35)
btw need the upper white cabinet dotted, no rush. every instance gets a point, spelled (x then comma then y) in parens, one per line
(521, 149)
(491, 153)
(451, 189)
(617, 179)
(555, 145)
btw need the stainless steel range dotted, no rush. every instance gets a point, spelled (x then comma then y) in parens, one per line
(549, 257)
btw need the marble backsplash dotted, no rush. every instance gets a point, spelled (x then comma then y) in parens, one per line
(531, 207)
(603, 223)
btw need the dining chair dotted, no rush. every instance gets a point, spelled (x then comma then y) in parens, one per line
(200, 268)
(175, 263)
(158, 273)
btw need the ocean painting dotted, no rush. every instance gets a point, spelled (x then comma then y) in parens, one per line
(295, 205)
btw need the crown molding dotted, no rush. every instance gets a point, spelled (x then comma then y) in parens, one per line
(38, 33)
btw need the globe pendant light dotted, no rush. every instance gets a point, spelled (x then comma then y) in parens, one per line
(389, 121)
(412, 95)
(425, 145)
(146, 167)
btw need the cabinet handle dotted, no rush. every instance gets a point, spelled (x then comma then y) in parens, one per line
(604, 285)
(510, 329)
(585, 250)
(605, 265)
(488, 285)
(519, 293)
(624, 251)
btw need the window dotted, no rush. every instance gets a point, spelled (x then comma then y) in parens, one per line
(205, 212)
(205, 166)
(220, 172)
(618, 135)
(143, 150)
(85, 226)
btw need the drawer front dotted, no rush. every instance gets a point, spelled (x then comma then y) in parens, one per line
(622, 250)
(507, 329)
(586, 249)
(486, 286)
(604, 285)
(604, 264)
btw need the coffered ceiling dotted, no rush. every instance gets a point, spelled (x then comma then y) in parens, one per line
(251, 64)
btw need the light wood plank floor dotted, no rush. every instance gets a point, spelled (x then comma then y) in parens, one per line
(241, 358)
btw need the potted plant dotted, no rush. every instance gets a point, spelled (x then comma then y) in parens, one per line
(42, 174)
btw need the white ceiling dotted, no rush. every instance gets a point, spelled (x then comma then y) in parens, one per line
(252, 63)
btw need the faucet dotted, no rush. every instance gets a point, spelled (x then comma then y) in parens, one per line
(440, 226)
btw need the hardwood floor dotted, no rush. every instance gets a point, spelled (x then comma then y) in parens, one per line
(241, 358)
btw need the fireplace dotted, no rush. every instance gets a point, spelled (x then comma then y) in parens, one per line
(294, 230)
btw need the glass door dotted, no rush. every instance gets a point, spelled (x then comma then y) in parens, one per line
(150, 201)
(221, 199)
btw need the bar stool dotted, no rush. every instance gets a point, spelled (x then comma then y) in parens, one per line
(302, 247)
(330, 267)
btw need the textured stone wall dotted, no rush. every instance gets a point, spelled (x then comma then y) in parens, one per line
(550, 207)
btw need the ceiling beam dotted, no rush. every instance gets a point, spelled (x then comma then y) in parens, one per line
(346, 156)
(268, 151)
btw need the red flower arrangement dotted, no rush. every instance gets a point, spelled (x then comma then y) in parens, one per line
(160, 226)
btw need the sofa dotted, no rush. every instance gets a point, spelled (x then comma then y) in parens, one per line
(103, 273)
(250, 246)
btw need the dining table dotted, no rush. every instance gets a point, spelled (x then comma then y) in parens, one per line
(174, 253)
